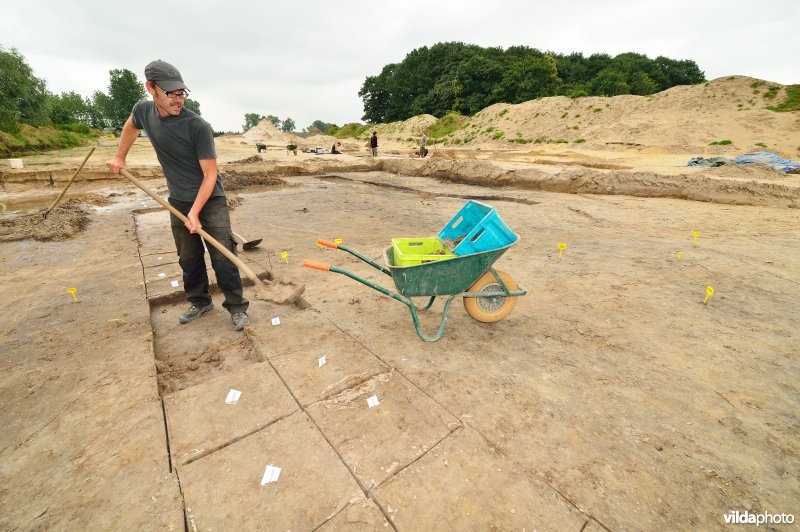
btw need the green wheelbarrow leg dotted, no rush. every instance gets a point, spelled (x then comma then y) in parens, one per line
(442, 325)
(426, 307)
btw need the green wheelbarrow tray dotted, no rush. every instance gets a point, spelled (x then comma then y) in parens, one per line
(448, 277)
(441, 277)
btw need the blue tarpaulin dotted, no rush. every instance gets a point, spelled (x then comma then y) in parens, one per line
(759, 157)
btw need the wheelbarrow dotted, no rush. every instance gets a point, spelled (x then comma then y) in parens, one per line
(489, 295)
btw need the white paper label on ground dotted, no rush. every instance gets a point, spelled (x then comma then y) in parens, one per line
(321, 361)
(160, 258)
(373, 401)
(271, 474)
(162, 274)
(233, 396)
(276, 321)
(175, 284)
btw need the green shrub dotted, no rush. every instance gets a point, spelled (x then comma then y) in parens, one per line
(560, 141)
(772, 91)
(596, 109)
(761, 144)
(446, 125)
(498, 135)
(539, 140)
(564, 115)
(501, 113)
(352, 130)
(720, 143)
(579, 141)
(792, 101)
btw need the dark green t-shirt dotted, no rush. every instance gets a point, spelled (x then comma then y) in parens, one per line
(180, 142)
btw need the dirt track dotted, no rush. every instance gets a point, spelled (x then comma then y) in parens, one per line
(612, 397)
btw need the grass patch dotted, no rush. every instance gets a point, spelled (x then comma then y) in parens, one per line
(596, 109)
(791, 103)
(446, 125)
(353, 130)
(724, 142)
(501, 113)
(772, 91)
(22, 139)
(761, 144)
(498, 135)
(564, 115)
(561, 141)
(579, 141)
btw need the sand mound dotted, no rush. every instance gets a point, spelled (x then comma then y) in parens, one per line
(62, 223)
(405, 131)
(691, 116)
(268, 134)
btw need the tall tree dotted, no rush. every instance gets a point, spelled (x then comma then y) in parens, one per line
(69, 108)
(251, 120)
(23, 96)
(124, 90)
(192, 105)
(287, 125)
(274, 120)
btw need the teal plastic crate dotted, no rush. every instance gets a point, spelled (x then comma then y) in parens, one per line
(476, 228)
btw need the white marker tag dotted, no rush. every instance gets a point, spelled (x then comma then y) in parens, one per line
(276, 321)
(175, 284)
(373, 401)
(160, 258)
(321, 361)
(271, 474)
(233, 396)
(162, 274)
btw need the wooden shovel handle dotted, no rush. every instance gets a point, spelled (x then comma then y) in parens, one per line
(208, 238)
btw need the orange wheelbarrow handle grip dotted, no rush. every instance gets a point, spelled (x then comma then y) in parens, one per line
(317, 265)
(327, 244)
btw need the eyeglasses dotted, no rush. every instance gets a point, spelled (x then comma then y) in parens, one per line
(175, 94)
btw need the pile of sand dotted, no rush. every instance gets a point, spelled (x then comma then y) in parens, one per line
(62, 223)
(267, 133)
(406, 131)
(689, 116)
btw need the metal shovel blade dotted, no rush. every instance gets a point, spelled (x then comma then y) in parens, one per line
(246, 244)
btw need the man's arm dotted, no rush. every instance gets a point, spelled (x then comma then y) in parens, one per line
(129, 136)
(209, 167)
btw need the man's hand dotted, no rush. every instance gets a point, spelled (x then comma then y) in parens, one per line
(115, 164)
(193, 225)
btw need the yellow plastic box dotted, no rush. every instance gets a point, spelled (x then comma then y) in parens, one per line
(413, 251)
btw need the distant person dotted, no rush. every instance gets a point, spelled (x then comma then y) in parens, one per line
(373, 143)
(423, 151)
(184, 144)
(336, 148)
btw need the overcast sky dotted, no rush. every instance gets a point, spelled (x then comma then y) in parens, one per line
(307, 60)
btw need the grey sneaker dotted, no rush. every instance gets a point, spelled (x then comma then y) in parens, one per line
(240, 320)
(194, 312)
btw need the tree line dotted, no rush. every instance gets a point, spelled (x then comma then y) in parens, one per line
(25, 99)
(466, 78)
(252, 120)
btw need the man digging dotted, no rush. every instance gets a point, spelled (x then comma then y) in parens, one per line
(184, 144)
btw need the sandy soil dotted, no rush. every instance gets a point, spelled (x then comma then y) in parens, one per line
(612, 397)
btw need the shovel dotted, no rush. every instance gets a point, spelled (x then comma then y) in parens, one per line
(246, 244)
(279, 292)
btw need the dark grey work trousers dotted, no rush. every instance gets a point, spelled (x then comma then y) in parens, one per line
(191, 255)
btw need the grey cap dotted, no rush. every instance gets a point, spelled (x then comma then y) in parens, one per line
(165, 75)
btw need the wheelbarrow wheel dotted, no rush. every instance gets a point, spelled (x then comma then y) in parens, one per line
(491, 308)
